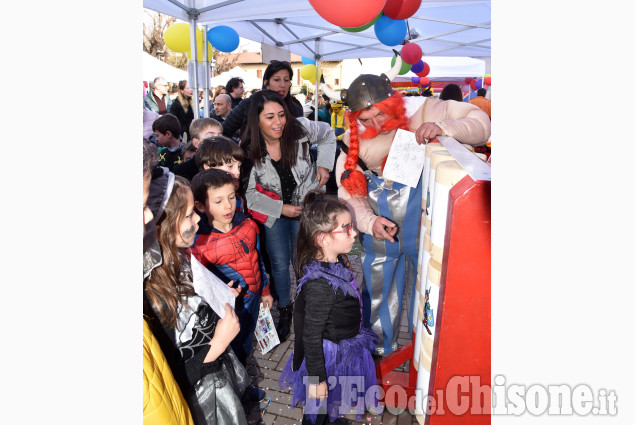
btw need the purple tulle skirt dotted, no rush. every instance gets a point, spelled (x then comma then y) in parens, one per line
(351, 373)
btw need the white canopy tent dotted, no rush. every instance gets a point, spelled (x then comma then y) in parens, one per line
(440, 28)
(153, 67)
(251, 82)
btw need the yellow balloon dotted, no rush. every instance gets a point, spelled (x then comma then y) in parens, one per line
(177, 37)
(199, 47)
(308, 72)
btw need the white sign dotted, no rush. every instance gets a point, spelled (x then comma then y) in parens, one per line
(209, 287)
(405, 159)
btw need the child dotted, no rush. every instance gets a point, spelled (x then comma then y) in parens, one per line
(332, 350)
(221, 153)
(195, 341)
(200, 129)
(166, 129)
(187, 152)
(230, 243)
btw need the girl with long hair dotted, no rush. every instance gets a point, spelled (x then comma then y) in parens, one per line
(332, 350)
(192, 336)
(278, 145)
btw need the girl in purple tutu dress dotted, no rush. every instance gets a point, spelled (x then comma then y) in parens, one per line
(331, 370)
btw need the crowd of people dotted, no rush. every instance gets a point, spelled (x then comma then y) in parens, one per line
(242, 192)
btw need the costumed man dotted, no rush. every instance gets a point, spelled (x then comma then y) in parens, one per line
(387, 214)
(337, 118)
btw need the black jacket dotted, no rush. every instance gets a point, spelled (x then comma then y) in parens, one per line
(185, 117)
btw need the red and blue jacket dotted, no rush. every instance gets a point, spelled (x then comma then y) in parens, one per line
(235, 254)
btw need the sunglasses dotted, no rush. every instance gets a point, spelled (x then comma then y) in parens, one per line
(276, 62)
(348, 229)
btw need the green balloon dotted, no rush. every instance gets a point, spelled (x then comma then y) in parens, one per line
(405, 67)
(363, 27)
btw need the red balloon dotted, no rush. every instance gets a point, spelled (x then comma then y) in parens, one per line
(424, 81)
(411, 53)
(425, 71)
(488, 81)
(349, 13)
(401, 9)
(468, 80)
(473, 84)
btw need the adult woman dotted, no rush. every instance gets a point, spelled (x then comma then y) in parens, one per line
(277, 77)
(278, 144)
(182, 107)
(219, 90)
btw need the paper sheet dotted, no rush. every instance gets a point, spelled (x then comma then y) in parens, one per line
(209, 287)
(405, 159)
(265, 332)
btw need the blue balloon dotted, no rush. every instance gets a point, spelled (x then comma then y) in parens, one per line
(307, 61)
(223, 38)
(417, 67)
(389, 31)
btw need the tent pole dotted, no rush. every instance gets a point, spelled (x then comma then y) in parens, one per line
(317, 77)
(194, 57)
(206, 80)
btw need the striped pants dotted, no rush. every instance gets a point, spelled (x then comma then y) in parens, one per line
(390, 267)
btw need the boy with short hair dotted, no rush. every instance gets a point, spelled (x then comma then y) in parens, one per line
(166, 129)
(230, 242)
(200, 128)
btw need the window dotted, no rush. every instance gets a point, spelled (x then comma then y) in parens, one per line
(259, 73)
(337, 81)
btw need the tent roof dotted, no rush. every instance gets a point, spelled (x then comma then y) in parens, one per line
(251, 82)
(153, 67)
(440, 28)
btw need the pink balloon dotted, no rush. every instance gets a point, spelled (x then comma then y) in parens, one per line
(411, 53)
(401, 9)
(349, 13)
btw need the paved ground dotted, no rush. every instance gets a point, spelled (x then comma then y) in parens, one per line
(265, 369)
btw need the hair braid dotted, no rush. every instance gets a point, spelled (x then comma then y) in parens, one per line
(352, 179)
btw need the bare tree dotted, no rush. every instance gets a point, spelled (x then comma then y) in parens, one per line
(153, 33)
(225, 61)
(153, 44)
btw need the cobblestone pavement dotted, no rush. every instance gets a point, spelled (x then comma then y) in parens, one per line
(265, 369)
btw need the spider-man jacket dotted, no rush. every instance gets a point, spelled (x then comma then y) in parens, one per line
(236, 254)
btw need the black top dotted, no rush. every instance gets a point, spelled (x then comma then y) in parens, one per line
(187, 169)
(287, 183)
(321, 313)
(185, 117)
(170, 159)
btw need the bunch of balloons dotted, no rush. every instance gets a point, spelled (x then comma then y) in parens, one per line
(476, 84)
(177, 38)
(388, 17)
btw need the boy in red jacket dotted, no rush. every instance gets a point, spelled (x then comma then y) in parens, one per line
(231, 243)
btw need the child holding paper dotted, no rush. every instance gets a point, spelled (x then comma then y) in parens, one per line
(230, 242)
(195, 341)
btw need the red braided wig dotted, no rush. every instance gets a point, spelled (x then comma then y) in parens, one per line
(354, 180)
